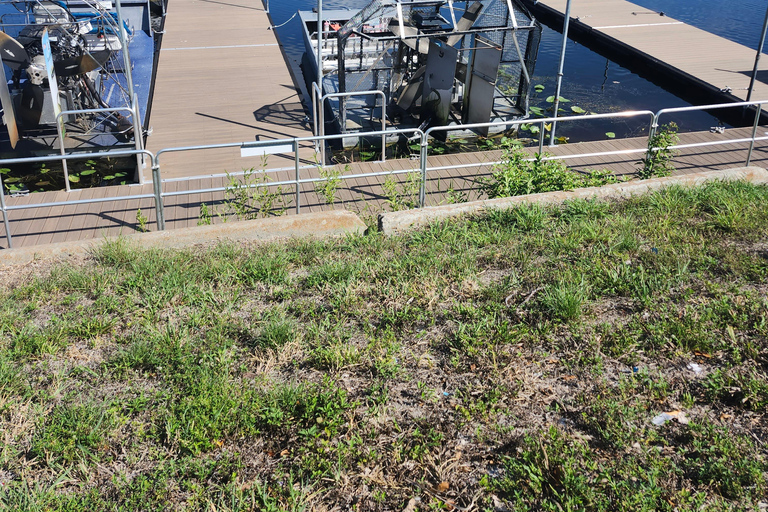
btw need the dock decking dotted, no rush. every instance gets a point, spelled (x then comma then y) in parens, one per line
(718, 68)
(221, 78)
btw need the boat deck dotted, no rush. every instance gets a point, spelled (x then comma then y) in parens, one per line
(716, 67)
(454, 176)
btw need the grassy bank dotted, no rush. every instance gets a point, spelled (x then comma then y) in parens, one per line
(520, 361)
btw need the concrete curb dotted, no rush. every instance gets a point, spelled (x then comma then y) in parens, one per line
(392, 223)
(321, 224)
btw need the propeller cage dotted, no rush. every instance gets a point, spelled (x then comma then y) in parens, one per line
(475, 56)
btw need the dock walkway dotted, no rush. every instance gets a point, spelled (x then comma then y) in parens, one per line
(221, 78)
(451, 177)
(717, 68)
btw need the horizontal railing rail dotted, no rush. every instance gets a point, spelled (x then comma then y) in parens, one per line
(293, 145)
(71, 156)
(717, 106)
(542, 122)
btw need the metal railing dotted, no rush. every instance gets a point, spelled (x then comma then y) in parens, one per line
(759, 104)
(423, 169)
(318, 111)
(297, 168)
(74, 156)
(542, 122)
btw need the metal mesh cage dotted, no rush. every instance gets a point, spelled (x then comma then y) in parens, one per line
(384, 47)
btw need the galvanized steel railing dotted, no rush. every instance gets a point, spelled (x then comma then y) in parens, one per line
(158, 193)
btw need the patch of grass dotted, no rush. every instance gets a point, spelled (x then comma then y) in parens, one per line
(513, 360)
(564, 301)
(74, 433)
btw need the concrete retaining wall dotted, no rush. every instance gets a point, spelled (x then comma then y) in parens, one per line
(322, 224)
(392, 223)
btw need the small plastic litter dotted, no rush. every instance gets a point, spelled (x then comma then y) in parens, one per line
(695, 368)
(669, 416)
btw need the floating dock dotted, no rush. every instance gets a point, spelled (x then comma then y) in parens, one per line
(221, 78)
(703, 65)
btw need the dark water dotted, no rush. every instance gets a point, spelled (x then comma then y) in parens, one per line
(592, 82)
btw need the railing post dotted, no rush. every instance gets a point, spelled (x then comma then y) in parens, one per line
(423, 162)
(652, 133)
(383, 126)
(541, 137)
(60, 131)
(315, 116)
(298, 176)
(138, 139)
(754, 133)
(5, 214)
(157, 186)
(321, 131)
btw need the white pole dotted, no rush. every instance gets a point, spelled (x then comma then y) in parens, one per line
(320, 44)
(566, 21)
(757, 57)
(320, 128)
(124, 44)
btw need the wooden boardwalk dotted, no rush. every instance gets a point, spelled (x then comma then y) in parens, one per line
(366, 195)
(670, 49)
(221, 78)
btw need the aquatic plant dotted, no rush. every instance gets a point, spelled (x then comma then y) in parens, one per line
(658, 160)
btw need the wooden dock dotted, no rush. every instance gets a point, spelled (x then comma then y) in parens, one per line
(700, 63)
(364, 195)
(221, 78)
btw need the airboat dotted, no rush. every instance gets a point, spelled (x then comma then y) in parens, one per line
(75, 75)
(420, 63)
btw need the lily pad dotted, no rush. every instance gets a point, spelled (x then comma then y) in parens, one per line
(74, 178)
(610, 135)
(551, 99)
(577, 110)
(538, 88)
(88, 172)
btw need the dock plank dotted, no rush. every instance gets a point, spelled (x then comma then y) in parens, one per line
(211, 88)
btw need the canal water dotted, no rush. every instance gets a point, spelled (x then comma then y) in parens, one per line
(591, 82)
